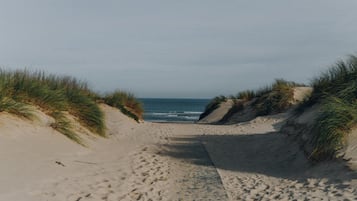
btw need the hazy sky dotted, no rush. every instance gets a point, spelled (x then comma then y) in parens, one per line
(186, 48)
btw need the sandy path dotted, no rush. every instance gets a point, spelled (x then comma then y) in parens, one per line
(139, 166)
(194, 174)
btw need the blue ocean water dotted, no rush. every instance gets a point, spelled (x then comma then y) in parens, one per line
(173, 110)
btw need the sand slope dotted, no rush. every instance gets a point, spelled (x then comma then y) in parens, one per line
(216, 115)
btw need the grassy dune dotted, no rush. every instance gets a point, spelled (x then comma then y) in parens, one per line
(272, 99)
(336, 91)
(56, 95)
(275, 98)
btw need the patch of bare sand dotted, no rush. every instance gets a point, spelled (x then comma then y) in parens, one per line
(301, 93)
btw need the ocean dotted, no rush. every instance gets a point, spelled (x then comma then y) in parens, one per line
(173, 110)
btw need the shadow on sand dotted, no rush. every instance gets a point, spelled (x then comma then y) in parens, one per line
(271, 154)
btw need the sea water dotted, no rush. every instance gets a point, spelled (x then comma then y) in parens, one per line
(173, 110)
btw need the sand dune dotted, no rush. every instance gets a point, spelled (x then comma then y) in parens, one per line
(218, 113)
(248, 112)
(152, 161)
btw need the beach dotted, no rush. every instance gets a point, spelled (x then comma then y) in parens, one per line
(156, 161)
(178, 101)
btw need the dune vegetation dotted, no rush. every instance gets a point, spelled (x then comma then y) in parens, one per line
(272, 99)
(57, 96)
(276, 98)
(336, 92)
(126, 103)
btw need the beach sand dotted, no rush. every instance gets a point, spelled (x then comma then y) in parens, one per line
(153, 161)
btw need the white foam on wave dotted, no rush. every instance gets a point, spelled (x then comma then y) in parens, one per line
(172, 115)
(192, 112)
(191, 118)
(158, 113)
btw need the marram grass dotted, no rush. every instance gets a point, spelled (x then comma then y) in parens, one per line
(126, 103)
(271, 99)
(275, 98)
(336, 91)
(14, 107)
(63, 125)
(55, 95)
(335, 121)
(335, 81)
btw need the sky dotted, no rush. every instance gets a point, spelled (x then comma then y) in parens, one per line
(177, 49)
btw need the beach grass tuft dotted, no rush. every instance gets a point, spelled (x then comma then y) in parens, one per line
(336, 91)
(275, 98)
(63, 125)
(126, 103)
(335, 121)
(11, 106)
